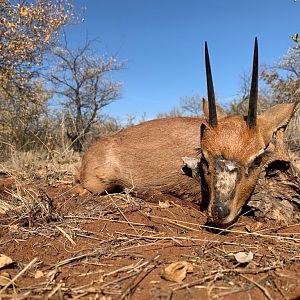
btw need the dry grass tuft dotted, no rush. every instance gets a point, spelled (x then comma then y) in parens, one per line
(30, 206)
(41, 165)
(20, 177)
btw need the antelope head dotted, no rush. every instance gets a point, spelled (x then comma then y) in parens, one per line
(233, 148)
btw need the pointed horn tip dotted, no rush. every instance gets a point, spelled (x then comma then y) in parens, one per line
(252, 110)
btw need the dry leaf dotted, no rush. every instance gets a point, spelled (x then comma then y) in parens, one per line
(248, 228)
(177, 271)
(13, 227)
(51, 273)
(38, 274)
(164, 204)
(243, 257)
(4, 279)
(4, 260)
(256, 226)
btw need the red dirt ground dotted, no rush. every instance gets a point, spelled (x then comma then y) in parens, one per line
(116, 247)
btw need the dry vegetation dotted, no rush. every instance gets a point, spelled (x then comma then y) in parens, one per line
(61, 246)
(57, 245)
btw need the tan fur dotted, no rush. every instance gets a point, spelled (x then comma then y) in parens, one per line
(232, 139)
(149, 156)
(146, 156)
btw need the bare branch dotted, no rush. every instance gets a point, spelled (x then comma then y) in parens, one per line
(84, 82)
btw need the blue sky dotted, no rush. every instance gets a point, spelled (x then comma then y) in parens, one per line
(162, 42)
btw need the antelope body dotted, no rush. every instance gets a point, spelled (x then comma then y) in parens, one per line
(230, 151)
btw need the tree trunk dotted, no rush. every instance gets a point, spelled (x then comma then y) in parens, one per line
(77, 145)
(277, 193)
(77, 141)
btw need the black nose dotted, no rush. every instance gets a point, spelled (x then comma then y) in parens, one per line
(220, 210)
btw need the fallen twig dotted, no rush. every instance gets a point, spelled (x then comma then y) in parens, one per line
(133, 285)
(53, 292)
(262, 288)
(228, 230)
(66, 235)
(18, 275)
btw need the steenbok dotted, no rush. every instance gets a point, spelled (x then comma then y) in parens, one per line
(231, 151)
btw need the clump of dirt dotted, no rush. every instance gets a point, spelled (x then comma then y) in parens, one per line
(118, 246)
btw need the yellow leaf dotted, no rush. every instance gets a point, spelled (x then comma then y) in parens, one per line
(23, 12)
(4, 279)
(177, 271)
(164, 204)
(38, 274)
(4, 260)
(13, 227)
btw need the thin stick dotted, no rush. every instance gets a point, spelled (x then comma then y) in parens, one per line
(119, 280)
(8, 296)
(66, 235)
(262, 288)
(183, 226)
(193, 283)
(122, 269)
(18, 275)
(53, 292)
(224, 271)
(120, 211)
(133, 285)
(105, 219)
(231, 230)
(67, 261)
(172, 238)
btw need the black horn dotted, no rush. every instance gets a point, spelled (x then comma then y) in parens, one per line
(252, 111)
(212, 120)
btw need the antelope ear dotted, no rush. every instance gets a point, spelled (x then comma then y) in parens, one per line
(190, 167)
(275, 118)
(202, 128)
(220, 111)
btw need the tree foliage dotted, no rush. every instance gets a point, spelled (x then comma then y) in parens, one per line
(189, 106)
(28, 29)
(23, 118)
(240, 105)
(284, 78)
(282, 86)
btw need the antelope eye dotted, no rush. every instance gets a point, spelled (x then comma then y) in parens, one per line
(255, 163)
